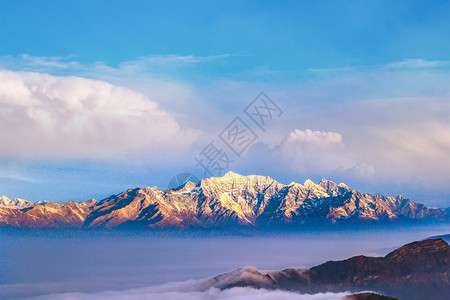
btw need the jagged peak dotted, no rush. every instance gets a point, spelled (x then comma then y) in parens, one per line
(42, 202)
(228, 176)
(187, 186)
(90, 202)
(309, 182)
(148, 189)
(325, 182)
(231, 174)
(246, 197)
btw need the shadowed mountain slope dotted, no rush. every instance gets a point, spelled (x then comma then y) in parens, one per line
(420, 270)
(229, 201)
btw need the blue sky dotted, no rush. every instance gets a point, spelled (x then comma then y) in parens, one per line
(100, 96)
(289, 36)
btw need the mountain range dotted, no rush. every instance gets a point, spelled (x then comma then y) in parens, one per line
(419, 270)
(229, 201)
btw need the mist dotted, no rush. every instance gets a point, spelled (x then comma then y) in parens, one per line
(41, 263)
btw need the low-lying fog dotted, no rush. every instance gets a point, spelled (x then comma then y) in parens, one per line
(158, 265)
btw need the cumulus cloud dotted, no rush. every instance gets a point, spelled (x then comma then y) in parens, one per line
(181, 291)
(44, 115)
(309, 138)
(320, 154)
(307, 150)
(382, 122)
(154, 76)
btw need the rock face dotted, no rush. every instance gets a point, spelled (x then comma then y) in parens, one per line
(48, 215)
(231, 200)
(420, 270)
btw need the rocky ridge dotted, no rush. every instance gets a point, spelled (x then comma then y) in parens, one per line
(419, 270)
(228, 201)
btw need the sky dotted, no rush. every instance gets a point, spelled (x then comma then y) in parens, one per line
(100, 96)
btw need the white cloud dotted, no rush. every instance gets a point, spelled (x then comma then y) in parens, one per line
(52, 63)
(313, 151)
(180, 291)
(418, 64)
(311, 138)
(416, 150)
(394, 122)
(408, 64)
(382, 122)
(49, 62)
(38, 63)
(44, 115)
(169, 60)
(16, 177)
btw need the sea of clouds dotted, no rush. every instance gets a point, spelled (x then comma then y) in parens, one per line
(184, 291)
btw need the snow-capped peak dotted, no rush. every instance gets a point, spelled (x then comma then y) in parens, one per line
(309, 182)
(15, 203)
(231, 174)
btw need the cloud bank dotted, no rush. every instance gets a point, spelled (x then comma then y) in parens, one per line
(309, 138)
(47, 116)
(180, 291)
(379, 128)
(304, 150)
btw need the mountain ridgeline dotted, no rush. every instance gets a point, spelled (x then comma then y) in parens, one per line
(221, 202)
(419, 270)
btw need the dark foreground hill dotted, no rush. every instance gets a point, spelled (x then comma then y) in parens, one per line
(420, 270)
